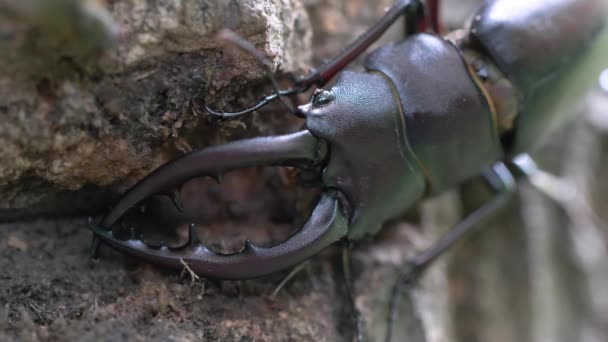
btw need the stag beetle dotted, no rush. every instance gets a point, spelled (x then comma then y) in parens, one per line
(428, 113)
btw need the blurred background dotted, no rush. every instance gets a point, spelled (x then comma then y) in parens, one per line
(95, 94)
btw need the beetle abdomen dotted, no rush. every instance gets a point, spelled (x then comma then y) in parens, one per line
(531, 40)
(543, 46)
(449, 125)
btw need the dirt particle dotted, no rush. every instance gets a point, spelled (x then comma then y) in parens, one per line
(16, 243)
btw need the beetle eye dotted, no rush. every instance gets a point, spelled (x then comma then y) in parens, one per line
(322, 97)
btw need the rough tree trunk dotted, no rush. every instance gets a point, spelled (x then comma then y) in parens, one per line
(538, 271)
(95, 94)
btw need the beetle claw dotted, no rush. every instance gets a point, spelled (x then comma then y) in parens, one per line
(300, 149)
(326, 225)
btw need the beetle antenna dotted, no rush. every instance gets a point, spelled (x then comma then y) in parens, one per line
(232, 38)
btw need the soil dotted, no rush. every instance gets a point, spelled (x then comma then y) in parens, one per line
(51, 290)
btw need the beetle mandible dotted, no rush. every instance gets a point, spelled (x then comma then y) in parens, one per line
(428, 113)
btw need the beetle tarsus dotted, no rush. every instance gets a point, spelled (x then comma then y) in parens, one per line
(95, 240)
(350, 291)
(94, 249)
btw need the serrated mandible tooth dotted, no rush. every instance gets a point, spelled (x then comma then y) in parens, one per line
(193, 235)
(176, 198)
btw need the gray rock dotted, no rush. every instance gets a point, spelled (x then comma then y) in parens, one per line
(97, 94)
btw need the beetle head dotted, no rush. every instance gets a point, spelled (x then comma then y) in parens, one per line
(369, 160)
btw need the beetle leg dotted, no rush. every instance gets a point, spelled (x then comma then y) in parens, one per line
(413, 11)
(94, 249)
(502, 181)
(350, 291)
(433, 20)
(297, 269)
(562, 192)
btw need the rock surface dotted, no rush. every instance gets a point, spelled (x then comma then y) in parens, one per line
(96, 94)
